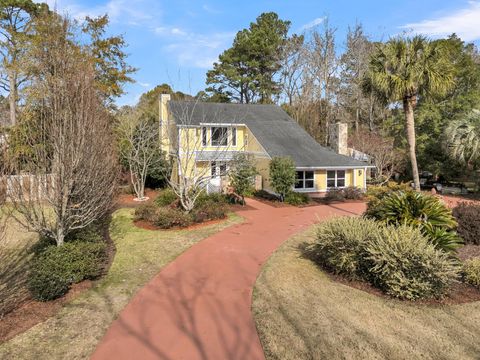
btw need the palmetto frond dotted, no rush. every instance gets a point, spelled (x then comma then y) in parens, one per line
(463, 138)
(407, 67)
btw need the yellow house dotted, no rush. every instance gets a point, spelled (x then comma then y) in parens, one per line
(202, 138)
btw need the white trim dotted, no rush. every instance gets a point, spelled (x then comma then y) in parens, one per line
(222, 124)
(333, 167)
(336, 180)
(304, 189)
(365, 179)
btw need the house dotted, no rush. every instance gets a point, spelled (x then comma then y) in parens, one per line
(203, 138)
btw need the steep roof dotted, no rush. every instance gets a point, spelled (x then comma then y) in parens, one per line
(278, 133)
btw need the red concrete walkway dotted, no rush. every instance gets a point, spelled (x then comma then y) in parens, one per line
(199, 306)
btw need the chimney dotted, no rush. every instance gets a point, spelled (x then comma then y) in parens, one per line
(339, 138)
(163, 122)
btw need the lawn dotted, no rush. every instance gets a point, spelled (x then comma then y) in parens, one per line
(74, 332)
(300, 313)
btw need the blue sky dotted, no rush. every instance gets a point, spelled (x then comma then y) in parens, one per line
(176, 41)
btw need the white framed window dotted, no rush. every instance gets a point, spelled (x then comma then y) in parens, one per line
(305, 180)
(218, 168)
(335, 179)
(204, 136)
(219, 136)
(234, 136)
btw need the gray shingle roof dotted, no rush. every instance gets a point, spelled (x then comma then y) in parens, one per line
(278, 133)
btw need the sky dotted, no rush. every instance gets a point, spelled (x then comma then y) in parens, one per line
(177, 41)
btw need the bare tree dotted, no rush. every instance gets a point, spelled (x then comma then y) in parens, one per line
(382, 152)
(139, 147)
(321, 75)
(74, 163)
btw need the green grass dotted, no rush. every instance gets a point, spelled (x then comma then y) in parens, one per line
(301, 314)
(74, 332)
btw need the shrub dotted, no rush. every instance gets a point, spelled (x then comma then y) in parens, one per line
(282, 175)
(147, 212)
(471, 272)
(339, 245)
(242, 174)
(468, 218)
(403, 263)
(56, 268)
(263, 194)
(295, 198)
(353, 193)
(166, 197)
(398, 260)
(421, 211)
(335, 195)
(213, 198)
(167, 218)
(209, 211)
(376, 193)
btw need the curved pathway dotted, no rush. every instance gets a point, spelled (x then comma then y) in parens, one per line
(199, 306)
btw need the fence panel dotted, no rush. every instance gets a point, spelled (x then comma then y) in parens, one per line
(25, 187)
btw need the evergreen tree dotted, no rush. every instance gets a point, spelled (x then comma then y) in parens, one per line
(245, 72)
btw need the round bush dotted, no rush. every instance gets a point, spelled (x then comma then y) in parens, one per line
(468, 218)
(56, 268)
(295, 198)
(404, 264)
(167, 218)
(471, 272)
(339, 245)
(146, 212)
(166, 197)
(209, 211)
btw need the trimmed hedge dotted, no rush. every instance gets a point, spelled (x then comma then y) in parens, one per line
(54, 269)
(166, 218)
(398, 260)
(468, 218)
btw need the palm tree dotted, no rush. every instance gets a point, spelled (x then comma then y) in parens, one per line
(463, 138)
(404, 69)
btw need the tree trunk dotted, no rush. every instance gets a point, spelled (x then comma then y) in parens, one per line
(12, 98)
(408, 108)
(60, 235)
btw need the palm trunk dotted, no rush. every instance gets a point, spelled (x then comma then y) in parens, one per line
(408, 108)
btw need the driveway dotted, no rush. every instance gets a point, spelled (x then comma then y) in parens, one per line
(199, 306)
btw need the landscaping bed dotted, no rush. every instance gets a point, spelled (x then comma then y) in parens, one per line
(301, 312)
(39, 300)
(140, 254)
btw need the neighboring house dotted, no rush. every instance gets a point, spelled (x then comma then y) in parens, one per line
(206, 136)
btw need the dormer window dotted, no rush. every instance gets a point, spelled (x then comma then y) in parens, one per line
(204, 136)
(219, 136)
(234, 136)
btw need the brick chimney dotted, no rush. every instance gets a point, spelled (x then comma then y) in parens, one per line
(339, 138)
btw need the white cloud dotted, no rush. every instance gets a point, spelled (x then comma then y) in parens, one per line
(210, 9)
(194, 49)
(464, 22)
(143, 84)
(132, 12)
(312, 24)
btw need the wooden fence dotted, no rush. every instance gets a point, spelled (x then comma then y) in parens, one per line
(26, 187)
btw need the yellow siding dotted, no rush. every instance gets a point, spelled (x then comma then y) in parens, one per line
(263, 168)
(320, 180)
